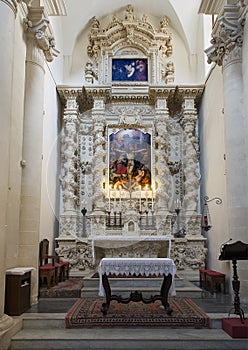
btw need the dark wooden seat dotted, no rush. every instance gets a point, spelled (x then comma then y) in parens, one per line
(215, 281)
(51, 269)
(47, 275)
(202, 277)
(47, 272)
(212, 281)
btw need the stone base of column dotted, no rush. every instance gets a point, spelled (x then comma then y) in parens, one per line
(6, 322)
(8, 328)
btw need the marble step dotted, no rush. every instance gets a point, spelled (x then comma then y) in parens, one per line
(47, 337)
(146, 286)
(132, 282)
(55, 321)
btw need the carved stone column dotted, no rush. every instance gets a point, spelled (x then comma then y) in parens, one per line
(162, 171)
(190, 156)
(226, 50)
(7, 18)
(69, 180)
(38, 49)
(190, 168)
(99, 164)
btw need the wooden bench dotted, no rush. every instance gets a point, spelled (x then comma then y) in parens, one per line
(212, 281)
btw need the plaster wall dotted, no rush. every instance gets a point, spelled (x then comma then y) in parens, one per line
(212, 163)
(50, 163)
(51, 143)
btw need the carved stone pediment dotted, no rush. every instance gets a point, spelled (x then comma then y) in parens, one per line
(129, 31)
(130, 37)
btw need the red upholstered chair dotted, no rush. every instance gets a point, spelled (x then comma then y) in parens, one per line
(215, 281)
(202, 275)
(61, 267)
(47, 272)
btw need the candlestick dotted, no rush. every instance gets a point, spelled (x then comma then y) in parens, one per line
(120, 196)
(178, 204)
(146, 198)
(115, 198)
(152, 200)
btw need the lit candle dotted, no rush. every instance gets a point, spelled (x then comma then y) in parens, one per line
(109, 199)
(120, 196)
(178, 204)
(152, 199)
(140, 197)
(146, 197)
(114, 198)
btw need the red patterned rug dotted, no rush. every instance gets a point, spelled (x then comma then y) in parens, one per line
(86, 313)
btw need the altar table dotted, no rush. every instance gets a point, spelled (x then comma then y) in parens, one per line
(113, 242)
(137, 266)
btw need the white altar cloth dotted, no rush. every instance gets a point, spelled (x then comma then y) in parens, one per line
(143, 266)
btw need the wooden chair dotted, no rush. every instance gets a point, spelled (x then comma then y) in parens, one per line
(61, 267)
(47, 272)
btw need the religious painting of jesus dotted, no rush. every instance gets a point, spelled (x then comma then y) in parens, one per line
(130, 160)
(129, 69)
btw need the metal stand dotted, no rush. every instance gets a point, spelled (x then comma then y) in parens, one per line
(236, 286)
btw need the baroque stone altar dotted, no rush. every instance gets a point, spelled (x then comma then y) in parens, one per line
(129, 151)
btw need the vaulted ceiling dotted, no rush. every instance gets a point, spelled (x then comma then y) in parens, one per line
(183, 16)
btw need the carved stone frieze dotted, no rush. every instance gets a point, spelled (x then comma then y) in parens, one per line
(188, 255)
(68, 225)
(193, 224)
(195, 256)
(79, 255)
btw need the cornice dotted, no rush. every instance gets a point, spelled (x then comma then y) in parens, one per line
(86, 96)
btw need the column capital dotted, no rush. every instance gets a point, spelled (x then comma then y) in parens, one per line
(227, 36)
(38, 25)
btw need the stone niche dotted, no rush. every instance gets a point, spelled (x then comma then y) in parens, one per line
(129, 152)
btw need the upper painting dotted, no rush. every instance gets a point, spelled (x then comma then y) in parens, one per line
(129, 69)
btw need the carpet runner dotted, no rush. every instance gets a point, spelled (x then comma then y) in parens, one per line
(86, 313)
